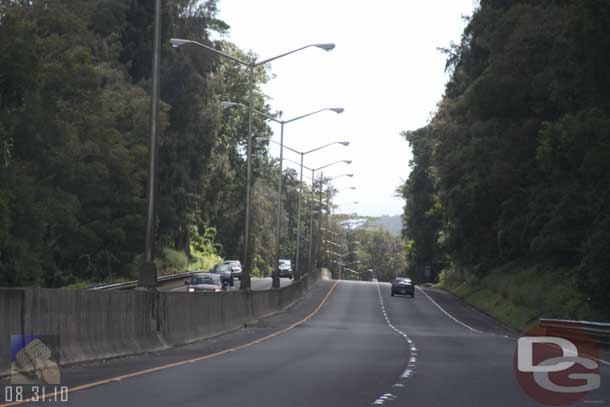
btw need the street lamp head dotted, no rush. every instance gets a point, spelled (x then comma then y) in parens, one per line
(326, 47)
(349, 175)
(344, 143)
(348, 162)
(352, 187)
(178, 42)
(338, 109)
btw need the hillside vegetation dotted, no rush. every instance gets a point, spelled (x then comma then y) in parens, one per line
(515, 163)
(75, 78)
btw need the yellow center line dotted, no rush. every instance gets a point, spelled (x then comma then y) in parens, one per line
(183, 362)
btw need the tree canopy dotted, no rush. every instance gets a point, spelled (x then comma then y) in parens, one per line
(75, 78)
(514, 162)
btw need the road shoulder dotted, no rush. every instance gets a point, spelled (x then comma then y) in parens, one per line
(480, 320)
(468, 314)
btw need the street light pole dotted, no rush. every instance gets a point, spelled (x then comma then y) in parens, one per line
(312, 194)
(276, 270)
(244, 282)
(148, 272)
(319, 244)
(322, 245)
(297, 270)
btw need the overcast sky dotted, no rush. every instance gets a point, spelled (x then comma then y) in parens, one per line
(385, 71)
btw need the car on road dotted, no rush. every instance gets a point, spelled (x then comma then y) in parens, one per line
(204, 282)
(225, 272)
(285, 268)
(235, 267)
(403, 286)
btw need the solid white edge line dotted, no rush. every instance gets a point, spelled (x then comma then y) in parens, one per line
(602, 361)
(448, 314)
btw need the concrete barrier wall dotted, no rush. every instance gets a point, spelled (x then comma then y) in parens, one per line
(103, 324)
(11, 321)
(187, 317)
(263, 303)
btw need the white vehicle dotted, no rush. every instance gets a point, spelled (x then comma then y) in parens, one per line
(235, 268)
(285, 268)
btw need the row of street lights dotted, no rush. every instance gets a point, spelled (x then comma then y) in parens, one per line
(338, 110)
(311, 212)
(252, 65)
(329, 220)
(302, 155)
(148, 272)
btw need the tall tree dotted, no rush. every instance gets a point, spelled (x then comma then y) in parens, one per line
(518, 148)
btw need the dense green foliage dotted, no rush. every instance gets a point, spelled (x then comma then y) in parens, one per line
(516, 161)
(74, 125)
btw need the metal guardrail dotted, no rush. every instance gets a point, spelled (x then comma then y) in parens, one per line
(132, 284)
(599, 332)
(128, 285)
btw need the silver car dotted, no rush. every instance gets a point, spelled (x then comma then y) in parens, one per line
(235, 268)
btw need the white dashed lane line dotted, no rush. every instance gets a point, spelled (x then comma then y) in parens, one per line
(410, 370)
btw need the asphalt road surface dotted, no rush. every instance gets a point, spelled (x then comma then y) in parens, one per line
(256, 284)
(363, 347)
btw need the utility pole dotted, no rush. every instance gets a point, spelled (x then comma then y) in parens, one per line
(148, 272)
(276, 267)
(297, 266)
(319, 245)
(327, 222)
(311, 201)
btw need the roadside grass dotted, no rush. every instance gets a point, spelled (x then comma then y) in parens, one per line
(173, 262)
(79, 285)
(519, 293)
(83, 285)
(170, 261)
(203, 262)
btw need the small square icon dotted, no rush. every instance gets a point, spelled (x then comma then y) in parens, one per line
(35, 359)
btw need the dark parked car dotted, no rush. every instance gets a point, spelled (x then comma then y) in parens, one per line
(204, 282)
(403, 286)
(285, 268)
(225, 272)
(236, 267)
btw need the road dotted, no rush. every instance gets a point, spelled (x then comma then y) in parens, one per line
(362, 347)
(256, 284)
